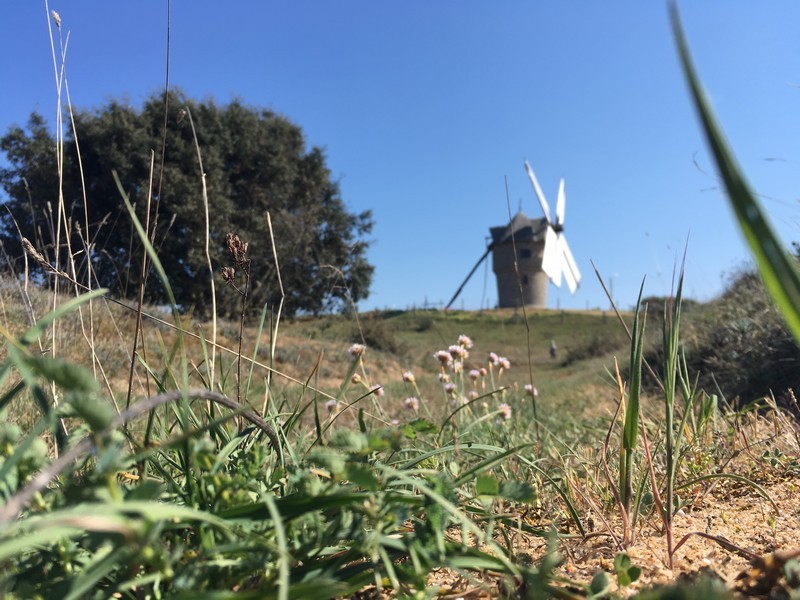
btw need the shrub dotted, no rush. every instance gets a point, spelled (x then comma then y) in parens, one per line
(743, 345)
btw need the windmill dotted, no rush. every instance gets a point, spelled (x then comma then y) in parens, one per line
(526, 253)
(557, 260)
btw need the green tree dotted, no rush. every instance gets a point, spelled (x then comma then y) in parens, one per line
(255, 161)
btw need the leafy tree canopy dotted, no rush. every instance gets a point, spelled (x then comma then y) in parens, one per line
(255, 162)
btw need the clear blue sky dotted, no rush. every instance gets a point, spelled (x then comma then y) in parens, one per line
(425, 108)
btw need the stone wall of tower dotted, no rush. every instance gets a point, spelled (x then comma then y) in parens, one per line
(531, 277)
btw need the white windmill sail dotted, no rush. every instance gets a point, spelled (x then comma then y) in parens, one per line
(557, 259)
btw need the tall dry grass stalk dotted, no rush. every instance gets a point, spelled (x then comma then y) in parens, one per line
(524, 314)
(207, 246)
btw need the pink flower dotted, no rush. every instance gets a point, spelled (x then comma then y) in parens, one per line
(493, 358)
(505, 411)
(464, 341)
(504, 363)
(474, 374)
(408, 377)
(331, 406)
(411, 403)
(450, 388)
(457, 352)
(356, 378)
(378, 391)
(531, 390)
(443, 356)
(356, 350)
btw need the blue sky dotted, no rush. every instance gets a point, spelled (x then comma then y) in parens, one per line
(425, 108)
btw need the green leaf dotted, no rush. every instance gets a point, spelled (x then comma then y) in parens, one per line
(600, 584)
(419, 426)
(518, 491)
(361, 475)
(486, 485)
(626, 574)
(97, 414)
(70, 377)
(778, 270)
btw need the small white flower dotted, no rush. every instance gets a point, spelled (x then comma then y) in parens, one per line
(356, 378)
(356, 350)
(531, 390)
(408, 377)
(331, 406)
(504, 363)
(378, 391)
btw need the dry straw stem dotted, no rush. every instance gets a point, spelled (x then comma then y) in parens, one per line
(142, 282)
(213, 358)
(46, 265)
(524, 316)
(41, 480)
(274, 332)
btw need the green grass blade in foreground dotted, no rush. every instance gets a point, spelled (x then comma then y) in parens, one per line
(162, 274)
(778, 270)
(631, 427)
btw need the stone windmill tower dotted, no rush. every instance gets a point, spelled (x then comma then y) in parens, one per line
(542, 254)
(527, 236)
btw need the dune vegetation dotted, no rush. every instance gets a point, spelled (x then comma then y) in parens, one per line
(148, 452)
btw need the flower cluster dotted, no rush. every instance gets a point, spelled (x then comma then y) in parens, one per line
(462, 383)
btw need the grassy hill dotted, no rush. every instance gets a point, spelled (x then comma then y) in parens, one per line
(411, 467)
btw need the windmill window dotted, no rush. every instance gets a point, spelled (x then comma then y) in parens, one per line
(525, 253)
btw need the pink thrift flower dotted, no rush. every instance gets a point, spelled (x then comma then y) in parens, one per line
(443, 356)
(531, 390)
(411, 403)
(356, 350)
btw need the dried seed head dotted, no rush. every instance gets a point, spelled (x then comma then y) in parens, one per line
(56, 18)
(228, 274)
(181, 115)
(236, 248)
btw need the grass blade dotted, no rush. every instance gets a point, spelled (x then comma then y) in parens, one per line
(778, 270)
